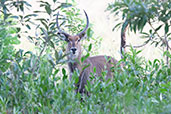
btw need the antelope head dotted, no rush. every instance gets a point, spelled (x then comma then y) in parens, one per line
(74, 45)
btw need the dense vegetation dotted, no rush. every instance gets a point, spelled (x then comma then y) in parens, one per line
(36, 82)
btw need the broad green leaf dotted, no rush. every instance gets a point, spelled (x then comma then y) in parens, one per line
(52, 44)
(64, 74)
(65, 5)
(48, 9)
(15, 17)
(94, 69)
(158, 28)
(30, 15)
(85, 57)
(89, 32)
(86, 66)
(56, 55)
(54, 1)
(166, 28)
(28, 26)
(116, 26)
(90, 47)
(45, 24)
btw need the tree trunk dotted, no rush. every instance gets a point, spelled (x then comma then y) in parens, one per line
(123, 38)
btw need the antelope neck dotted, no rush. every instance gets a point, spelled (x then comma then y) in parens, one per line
(76, 64)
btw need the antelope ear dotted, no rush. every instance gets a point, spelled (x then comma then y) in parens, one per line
(82, 36)
(63, 36)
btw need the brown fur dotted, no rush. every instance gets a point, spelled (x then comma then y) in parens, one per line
(101, 63)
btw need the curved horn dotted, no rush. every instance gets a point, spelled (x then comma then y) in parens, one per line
(85, 29)
(60, 31)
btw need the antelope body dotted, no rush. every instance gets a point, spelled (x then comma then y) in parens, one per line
(101, 63)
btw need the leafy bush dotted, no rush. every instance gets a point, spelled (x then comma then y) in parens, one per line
(137, 14)
(8, 38)
(37, 83)
(142, 87)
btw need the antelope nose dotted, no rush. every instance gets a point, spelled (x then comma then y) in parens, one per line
(73, 50)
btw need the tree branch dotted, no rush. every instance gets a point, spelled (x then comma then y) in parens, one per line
(163, 40)
(139, 46)
(38, 58)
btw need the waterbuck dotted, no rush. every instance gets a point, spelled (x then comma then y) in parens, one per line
(101, 63)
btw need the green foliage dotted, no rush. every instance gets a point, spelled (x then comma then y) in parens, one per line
(8, 37)
(38, 83)
(141, 87)
(139, 13)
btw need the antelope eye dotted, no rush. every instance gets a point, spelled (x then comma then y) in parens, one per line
(67, 40)
(79, 39)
